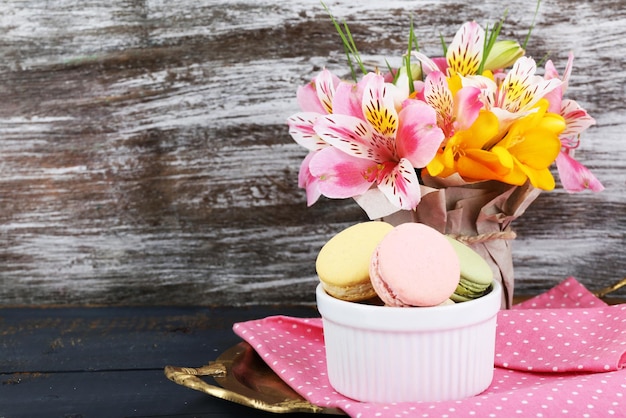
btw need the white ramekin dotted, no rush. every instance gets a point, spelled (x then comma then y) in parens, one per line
(386, 354)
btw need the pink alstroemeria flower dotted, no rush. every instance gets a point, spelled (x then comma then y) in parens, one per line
(315, 99)
(574, 176)
(377, 145)
(516, 95)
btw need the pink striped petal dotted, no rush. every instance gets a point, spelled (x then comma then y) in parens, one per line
(340, 175)
(521, 88)
(575, 177)
(301, 130)
(555, 96)
(418, 137)
(466, 49)
(348, 98)
(354, 136)
(379, 106)
(429, 65)
(308, 100)
(401, 186)
(441, 63)
(467, 106)
(576, 118)
(550, 71)
(325, 84)
(307, 181)
(438, 95)
(317, 95)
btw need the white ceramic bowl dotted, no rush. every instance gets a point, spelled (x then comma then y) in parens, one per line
(385, 354)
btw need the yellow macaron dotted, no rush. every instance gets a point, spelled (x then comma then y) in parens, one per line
(343, 262)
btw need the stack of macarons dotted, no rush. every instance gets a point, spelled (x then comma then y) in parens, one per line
(411, 264)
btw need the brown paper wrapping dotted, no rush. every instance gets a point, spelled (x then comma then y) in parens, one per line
(479, 214)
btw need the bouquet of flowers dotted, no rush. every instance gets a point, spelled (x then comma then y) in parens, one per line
(451, 141)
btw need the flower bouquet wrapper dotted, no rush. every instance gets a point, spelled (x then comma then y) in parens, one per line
(478, 214)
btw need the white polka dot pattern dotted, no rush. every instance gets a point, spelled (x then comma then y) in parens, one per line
(544, 357)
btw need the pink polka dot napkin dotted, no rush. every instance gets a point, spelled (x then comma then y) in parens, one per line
(559, 354)
(566, 329)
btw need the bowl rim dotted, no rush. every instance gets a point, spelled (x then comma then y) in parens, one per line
(387, 318)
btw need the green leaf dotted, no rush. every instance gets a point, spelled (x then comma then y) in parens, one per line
(532, 25)
(491, 36)
(443, 44)
(407, 59)
(349, 46)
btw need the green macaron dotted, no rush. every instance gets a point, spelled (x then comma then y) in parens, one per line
(476, 274)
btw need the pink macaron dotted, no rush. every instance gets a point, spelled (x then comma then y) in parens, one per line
(414, 265)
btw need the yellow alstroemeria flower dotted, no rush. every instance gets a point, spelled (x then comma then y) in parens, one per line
(533, 143)
(525, 152)
(467, 145)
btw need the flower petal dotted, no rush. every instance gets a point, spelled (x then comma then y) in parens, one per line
(521, 88)
(401, 186)
(489, 165)
(467, 106)
(301, 130)
(307, 181)
(379, 106)
(538, 149)
(348, 98)
(354, 136)
(466, 50)
(483, 131)
(341, 175)
(317, 95)
(541, 178)
(325, 84)
(308, 100)
(438, 95)
(436, 166)
(505, 159)
(574, 176)
(418, 137)
(576, 118)
(488, 89)
(429, 65)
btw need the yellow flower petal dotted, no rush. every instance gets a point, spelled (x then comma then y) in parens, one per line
(538, 149)
(516, 176)
(455, 84)
(435, 167)
(541, 179)
(471, 169)
(504, 156)
(482, 131)
(486, 167)
(553, 123)
(491, 160)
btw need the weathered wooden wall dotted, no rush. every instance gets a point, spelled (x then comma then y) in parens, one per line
(144, 156)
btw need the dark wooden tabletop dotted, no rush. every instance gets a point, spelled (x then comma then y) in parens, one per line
(145, 157)
(109, 362)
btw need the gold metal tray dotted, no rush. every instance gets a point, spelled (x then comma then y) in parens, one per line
(246, 379)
